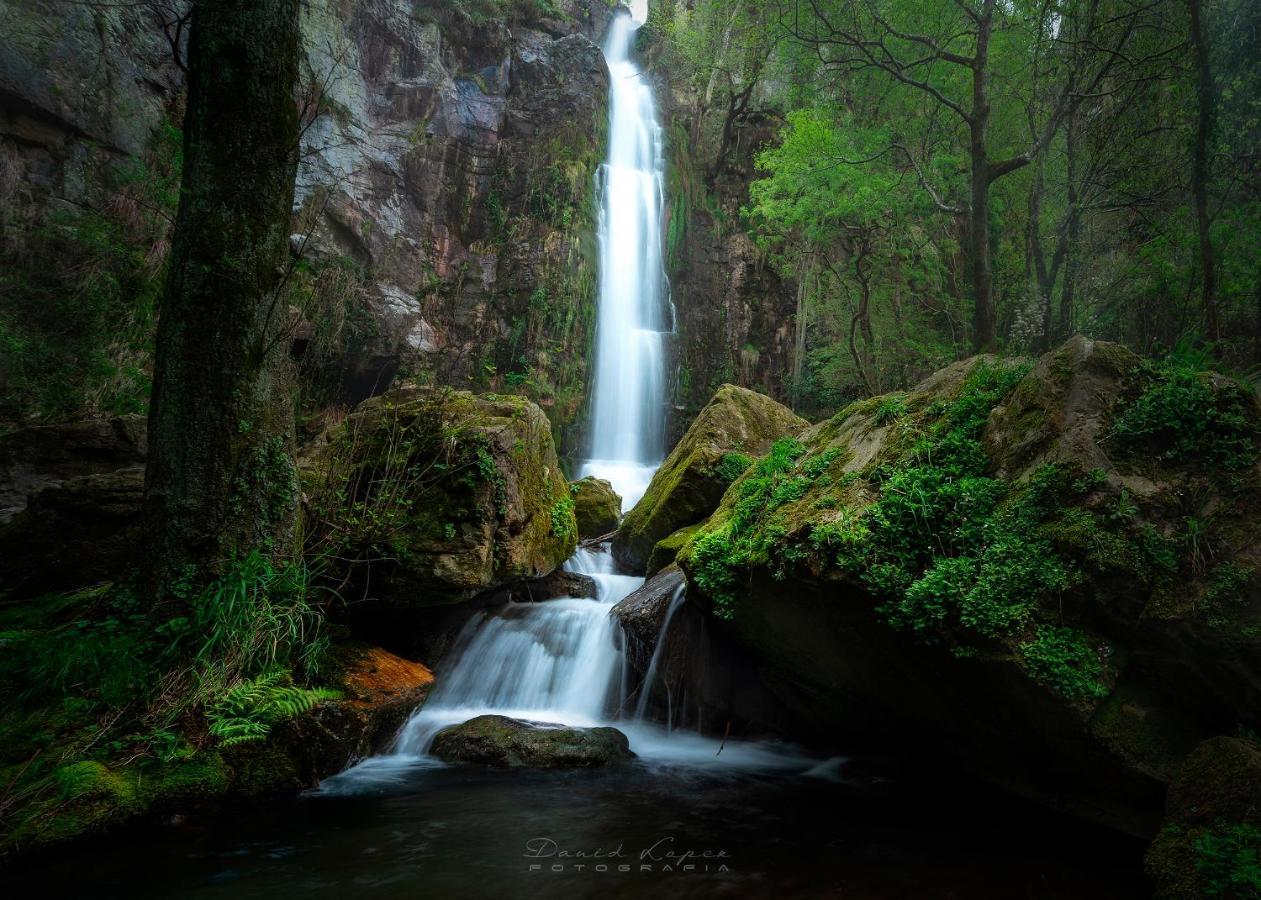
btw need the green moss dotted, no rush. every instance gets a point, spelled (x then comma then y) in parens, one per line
(1228, 861)
(1062, 659)
(947, 550)
(1227, 592)
(666, 550)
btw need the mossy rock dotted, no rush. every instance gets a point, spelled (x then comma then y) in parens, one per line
(88, 796)
(667, 549)
(1210, 843)
(434, 496)
(985, 558)
(501, 742)
(736, 425)
(597, 507)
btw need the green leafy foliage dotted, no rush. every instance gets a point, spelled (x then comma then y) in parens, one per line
(255, 617)
(1228, 861)
(1190, 416)
(564, 525)
(247, 711)
(732, 465)
(1061, 658)
(80, 290)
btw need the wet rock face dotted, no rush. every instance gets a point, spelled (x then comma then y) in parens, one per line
(70, 503)
(431, 497)
(72, 533)
(44, 455)
(448, 160)
(454, 159)
(703, 680)
(717, 274)
(502, 742)
(79, 84)
(735, 426)
(1013, 558)
(597, 506)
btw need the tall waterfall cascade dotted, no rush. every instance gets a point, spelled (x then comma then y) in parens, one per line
(634, 318)
(563, 661)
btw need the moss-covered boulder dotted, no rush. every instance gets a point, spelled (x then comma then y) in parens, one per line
(597, 507)
(1050, 567)
(666, 550)
(502, 742)
(1210, 844)
(429, 496)
(736, 425)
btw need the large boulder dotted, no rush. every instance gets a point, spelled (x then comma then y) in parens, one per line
(72, 533)
(597, 507)
(430, 496)
(686, 671)
(379, 690)
(1210, 844)
(1050, 569)
(735, 426)
(512, 743)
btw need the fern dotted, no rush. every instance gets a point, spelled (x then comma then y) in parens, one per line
(248, 709)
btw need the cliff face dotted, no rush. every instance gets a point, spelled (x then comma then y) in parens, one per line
(445, 208)
(454, 157)
(734, 314)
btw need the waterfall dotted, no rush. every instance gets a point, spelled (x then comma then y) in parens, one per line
(628, 395)
(557, 661)
(563, 660)
(645, 689)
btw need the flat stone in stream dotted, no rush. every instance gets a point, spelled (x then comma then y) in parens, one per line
(513, 743)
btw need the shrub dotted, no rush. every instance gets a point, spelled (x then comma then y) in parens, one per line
(1228, 861)
(1061, 658)
(1185, 417)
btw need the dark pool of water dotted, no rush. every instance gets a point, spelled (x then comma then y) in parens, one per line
(457, 832)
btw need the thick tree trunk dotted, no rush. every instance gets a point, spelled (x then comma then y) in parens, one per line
(983, 318)
(220, 477)
(1199, 170)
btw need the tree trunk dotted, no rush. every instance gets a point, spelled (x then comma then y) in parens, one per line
(220, 478)
(800, 323)
(1199, 170)
(983, 319)
(1072, 231)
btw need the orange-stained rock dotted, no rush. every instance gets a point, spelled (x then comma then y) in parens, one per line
(378, 676)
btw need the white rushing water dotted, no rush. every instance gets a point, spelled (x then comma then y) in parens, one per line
(634, 319)
(562, 661)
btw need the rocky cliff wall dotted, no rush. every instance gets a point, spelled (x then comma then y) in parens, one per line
(445, 206)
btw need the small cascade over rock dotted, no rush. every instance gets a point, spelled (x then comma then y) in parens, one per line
(650, 678)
